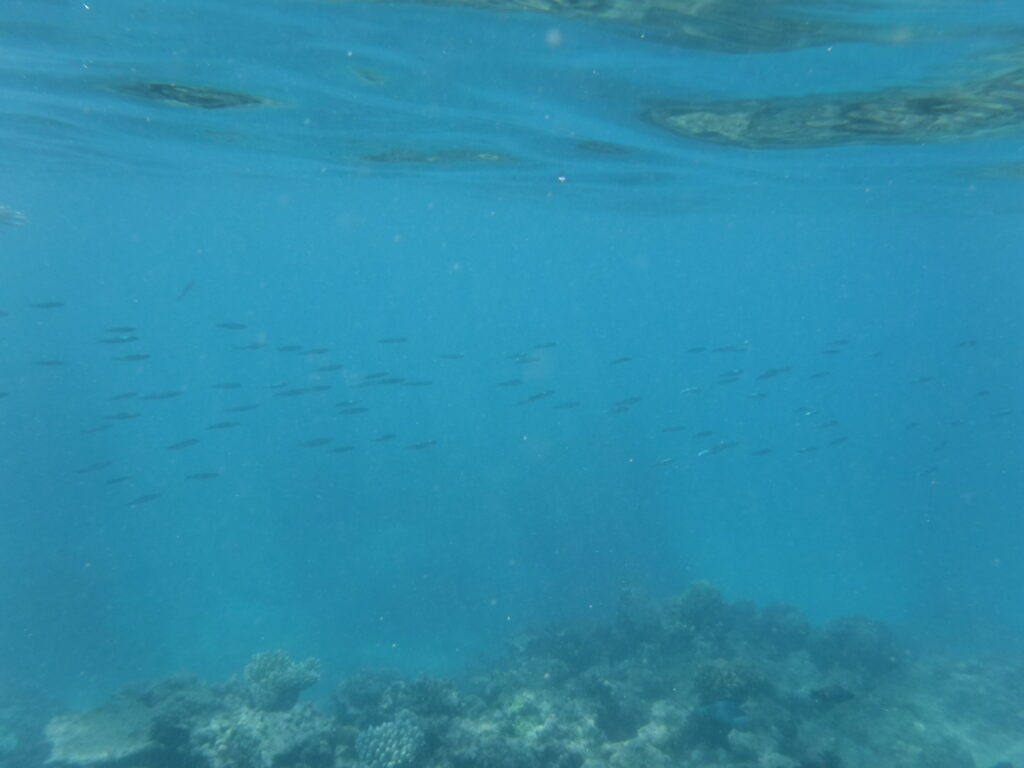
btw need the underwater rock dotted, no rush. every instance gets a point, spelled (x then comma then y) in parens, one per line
(252, 738)
(428, 698)
(567, 652)
(369, 705)
(638, 616)
(135, 727)
(713, 723)
(700, 610)
(116, 734)
(723, 680)
(360, 699)
(638, 753)
(666, 727)
(528, 728)
(24, 712)
(784, 627)
(856, 644)
(948, 752)
(620, 696)
(181, 722)
(832, 694)
(368, 697)
(469, 746)
(991, 692)
(759, 747)
(275, 681)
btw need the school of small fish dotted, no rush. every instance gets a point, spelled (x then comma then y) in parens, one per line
(347, 390)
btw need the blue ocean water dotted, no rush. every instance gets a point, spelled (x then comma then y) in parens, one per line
(592, 354)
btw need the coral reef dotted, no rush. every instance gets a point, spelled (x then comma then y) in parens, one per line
(118, 732)
(139, 725)
(396, 743)
(693, 682)
(251, 738)
(722, 680)
(856, 644)
(181, 721)
(275, 680)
